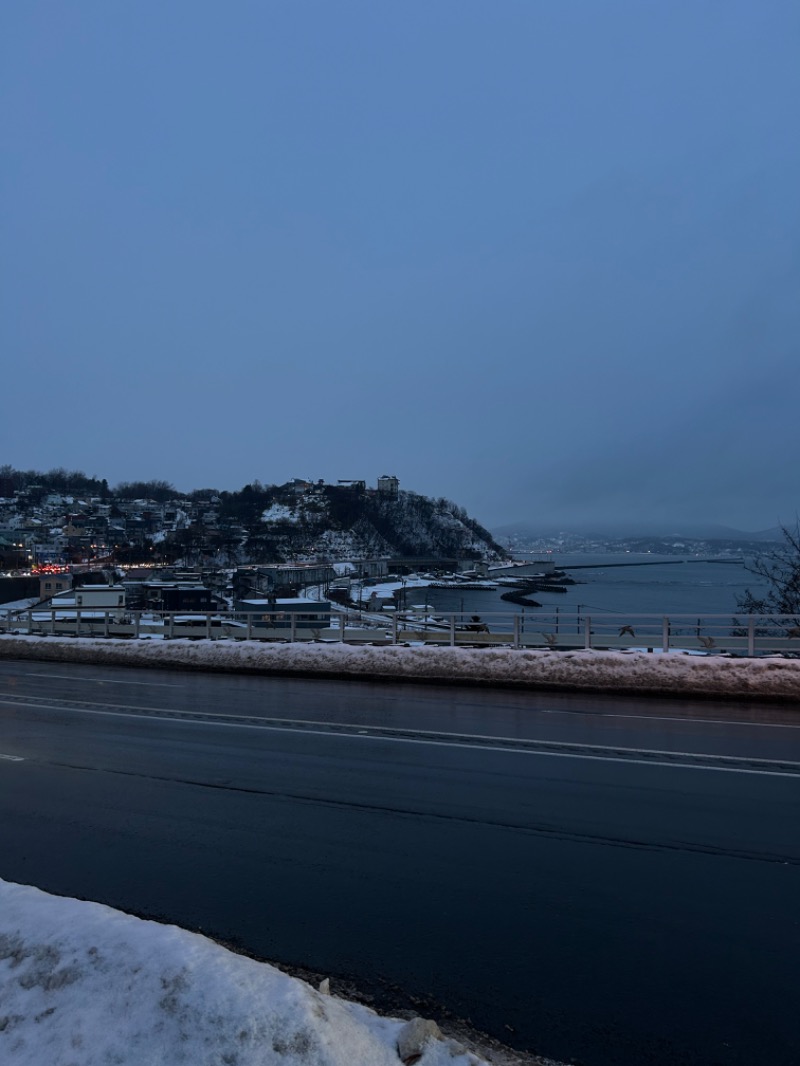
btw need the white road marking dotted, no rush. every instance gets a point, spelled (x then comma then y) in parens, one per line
(434, 737)
(581, 755)
(689, 720)
(586, 751)
(686, 719)
(102, 680)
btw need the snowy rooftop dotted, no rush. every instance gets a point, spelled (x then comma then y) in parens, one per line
(297, 601)
(82, 983)
(18, 605)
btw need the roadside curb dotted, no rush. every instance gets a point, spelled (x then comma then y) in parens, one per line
(632, 673)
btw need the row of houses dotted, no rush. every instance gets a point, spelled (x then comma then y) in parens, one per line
(208, 589)
(187, 601)
(64, 528)
(38, 528)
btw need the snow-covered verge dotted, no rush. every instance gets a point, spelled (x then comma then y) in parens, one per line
(599, 671)
(84, 985)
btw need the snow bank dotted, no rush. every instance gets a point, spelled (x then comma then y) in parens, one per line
(82, 983)
(599, 671)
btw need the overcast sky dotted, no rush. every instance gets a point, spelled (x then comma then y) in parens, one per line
(542, 258)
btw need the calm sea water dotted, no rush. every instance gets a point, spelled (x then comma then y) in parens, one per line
(664, 585)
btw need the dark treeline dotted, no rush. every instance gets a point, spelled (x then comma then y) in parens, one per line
(38, 483)
(160, 491)
(56, 480)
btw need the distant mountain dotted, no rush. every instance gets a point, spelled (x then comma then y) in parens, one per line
(618, 531)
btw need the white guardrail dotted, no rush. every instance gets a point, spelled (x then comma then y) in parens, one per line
(709, 634)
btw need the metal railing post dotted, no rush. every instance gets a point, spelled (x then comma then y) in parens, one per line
(115, 623)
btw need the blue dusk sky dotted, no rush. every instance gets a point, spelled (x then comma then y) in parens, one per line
(540, 257)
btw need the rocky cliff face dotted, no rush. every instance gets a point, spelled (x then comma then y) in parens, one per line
(345, 522)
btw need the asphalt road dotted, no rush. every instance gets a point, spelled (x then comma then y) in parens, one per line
(604, 881)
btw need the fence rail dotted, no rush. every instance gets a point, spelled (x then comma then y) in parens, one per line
(709, 634)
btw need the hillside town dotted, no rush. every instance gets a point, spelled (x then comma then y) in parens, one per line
(209, 550)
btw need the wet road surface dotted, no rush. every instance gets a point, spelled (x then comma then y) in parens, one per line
(610, 881)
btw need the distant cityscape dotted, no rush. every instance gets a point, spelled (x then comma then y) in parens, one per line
(521, 543)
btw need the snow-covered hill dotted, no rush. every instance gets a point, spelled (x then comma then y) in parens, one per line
(342, 522)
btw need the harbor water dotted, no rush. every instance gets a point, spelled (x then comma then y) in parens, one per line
(621, 584)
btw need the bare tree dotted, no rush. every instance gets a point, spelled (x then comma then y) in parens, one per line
(779, 571)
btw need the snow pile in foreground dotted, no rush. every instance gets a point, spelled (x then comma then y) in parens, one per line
(82, 983)
(598, 671)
